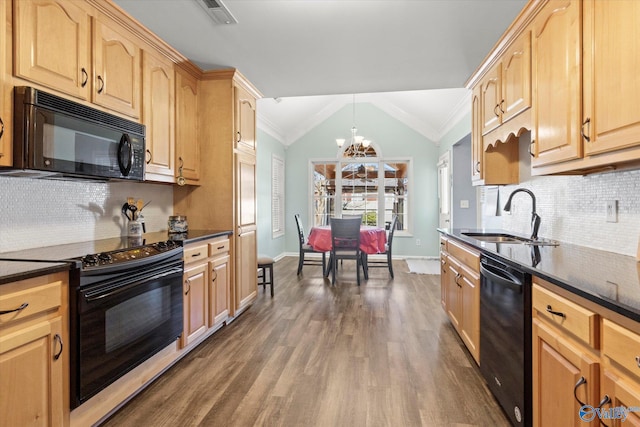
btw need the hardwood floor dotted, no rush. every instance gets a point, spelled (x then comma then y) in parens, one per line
(382, 354)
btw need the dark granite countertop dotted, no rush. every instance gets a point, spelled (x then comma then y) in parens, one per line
(606, 278)
(68, 254)
(13, 271)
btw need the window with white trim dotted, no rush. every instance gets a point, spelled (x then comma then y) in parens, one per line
(376, 188)
(277, 196)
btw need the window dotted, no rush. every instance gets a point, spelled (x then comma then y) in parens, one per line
(277, 196)
(374, 188)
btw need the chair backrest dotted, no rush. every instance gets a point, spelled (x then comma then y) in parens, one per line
(392, 229)
(345, 234)
(352, 217)
(300, 229)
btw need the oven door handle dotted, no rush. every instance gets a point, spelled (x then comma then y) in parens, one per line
(99, 294)
(501, 277)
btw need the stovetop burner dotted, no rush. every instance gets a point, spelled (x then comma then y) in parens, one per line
(121, 256)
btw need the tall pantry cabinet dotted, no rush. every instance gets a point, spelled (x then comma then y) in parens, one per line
(226, 196)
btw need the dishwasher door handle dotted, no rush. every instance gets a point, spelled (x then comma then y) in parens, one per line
(501, 277)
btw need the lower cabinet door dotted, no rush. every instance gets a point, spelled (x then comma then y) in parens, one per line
(196, 303)
(219, 280)
(565, 378)
(31, 375)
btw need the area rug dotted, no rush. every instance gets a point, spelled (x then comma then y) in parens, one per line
(423, 266)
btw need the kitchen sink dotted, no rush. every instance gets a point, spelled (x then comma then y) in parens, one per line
(509, 238)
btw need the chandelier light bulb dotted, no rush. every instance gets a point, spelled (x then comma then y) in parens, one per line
(366, 143)
(340, 142)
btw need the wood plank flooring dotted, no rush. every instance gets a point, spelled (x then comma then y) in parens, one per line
(382, 354)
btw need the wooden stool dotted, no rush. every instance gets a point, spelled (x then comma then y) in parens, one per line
(264, 263)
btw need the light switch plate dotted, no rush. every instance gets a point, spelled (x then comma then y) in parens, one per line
(612, 211)
(464, 204)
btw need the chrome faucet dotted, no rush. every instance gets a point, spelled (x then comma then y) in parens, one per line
(535, 218)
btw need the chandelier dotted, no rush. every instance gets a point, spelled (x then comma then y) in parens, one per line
(358, 146)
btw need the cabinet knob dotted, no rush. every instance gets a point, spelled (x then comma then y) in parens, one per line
(239, 136)
(477, 167)
(1, 127)
(495, 110)
(215, 277)
(530, 149)
(581, 381)
(638, 361)
(149, 156)
(500, 106)
(188, 283)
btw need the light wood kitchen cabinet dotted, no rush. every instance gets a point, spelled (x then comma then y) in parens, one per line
(461, 293)
(6, 106)
(611, 88)
(53, 45)
(477, 148)
(621, 376)
(581, 355)
(556, 74)
(563, 372)
(69, 47)
(117, 62)
(219, 281)
(34, 373)
(187, 139)
(159, 117)
(245, 119)
(206, 288)
(230, 186)
(195, 289)
(444, 269)
(490, 99)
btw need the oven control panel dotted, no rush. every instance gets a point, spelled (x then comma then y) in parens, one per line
(127, 255)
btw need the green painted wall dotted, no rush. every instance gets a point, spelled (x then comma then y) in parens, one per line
(394, 140)
(267, 146)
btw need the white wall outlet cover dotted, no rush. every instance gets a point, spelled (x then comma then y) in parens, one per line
(464, 204)
(612, 211)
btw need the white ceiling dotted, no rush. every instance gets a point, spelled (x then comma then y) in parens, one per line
(295, 49)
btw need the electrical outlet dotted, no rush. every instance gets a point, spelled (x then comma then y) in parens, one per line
(612, 211)
(418, 243)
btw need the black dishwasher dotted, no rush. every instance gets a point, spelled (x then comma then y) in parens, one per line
(505, 337)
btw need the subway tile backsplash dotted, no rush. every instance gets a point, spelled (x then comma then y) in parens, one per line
(45, 212)
(573, 210)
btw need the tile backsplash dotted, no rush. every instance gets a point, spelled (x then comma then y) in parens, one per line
(573, 210)
(45, 212)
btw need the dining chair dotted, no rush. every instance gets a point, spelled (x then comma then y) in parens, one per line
(377, 263)
(345, 244)
(306, 249)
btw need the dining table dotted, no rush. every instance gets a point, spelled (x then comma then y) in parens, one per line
(372, 241)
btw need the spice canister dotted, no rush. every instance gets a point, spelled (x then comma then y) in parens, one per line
(178, 224)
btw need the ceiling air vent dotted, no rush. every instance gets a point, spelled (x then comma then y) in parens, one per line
(217, 11)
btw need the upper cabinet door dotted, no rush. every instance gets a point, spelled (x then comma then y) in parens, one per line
(187, 141)
(245, 120)
(159, 118)
(117, 70)
(52, 42)
(556, 73)
(611, 116)
(490, 100)
(6, 107)
(516, 78)
(476, 137)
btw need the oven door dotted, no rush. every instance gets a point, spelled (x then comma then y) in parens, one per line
(122, 322)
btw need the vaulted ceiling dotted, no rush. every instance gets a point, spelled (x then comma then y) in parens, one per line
(295, 50)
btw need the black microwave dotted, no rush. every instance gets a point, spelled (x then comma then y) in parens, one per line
(54, 136)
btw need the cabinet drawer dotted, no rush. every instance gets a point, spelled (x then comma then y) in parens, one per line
(218, 247)
(34, 299)
(466, 255)
(621, 345)
(195, 253)
(569, 316)
(443, 244)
